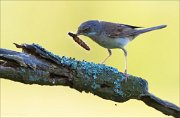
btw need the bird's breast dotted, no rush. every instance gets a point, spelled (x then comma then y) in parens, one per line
(111, 43)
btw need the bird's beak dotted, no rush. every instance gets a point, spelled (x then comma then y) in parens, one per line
(79, 33)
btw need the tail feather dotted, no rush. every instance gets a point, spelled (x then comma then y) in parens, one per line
(148, 29)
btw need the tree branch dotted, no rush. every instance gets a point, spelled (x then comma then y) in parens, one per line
(35, 65)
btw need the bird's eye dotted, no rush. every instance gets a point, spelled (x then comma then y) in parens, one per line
(86, 29)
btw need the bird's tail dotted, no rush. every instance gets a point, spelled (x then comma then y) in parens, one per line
(137, 32)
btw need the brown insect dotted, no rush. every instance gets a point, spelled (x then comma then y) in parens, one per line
(79, 41)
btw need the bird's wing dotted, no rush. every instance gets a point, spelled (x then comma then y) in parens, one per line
(132, 26)
(115, 30)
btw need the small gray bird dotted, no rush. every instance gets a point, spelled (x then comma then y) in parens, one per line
(112, 35)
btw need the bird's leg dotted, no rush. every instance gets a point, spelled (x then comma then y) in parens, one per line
(110, 53)
(125, 69)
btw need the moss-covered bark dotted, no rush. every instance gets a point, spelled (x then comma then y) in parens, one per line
(35, 65)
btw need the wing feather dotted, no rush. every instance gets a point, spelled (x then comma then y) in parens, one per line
(115, 30)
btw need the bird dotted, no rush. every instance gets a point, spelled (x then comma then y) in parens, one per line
(112, 35)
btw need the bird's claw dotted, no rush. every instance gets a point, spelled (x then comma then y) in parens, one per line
(126, 76)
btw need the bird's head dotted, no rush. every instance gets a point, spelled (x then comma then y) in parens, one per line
(89, 28)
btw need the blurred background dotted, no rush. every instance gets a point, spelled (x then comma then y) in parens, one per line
(153, 56)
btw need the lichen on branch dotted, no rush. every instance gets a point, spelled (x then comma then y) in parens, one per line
(36, 65)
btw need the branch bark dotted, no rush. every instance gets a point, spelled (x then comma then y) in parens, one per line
(36, 65)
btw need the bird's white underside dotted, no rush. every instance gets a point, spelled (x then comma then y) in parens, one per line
(110, 43)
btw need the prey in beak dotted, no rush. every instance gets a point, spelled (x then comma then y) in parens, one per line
(78, 40)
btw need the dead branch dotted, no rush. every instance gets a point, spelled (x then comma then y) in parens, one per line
(35, 65)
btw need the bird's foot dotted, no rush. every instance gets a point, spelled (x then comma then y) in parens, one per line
(102, 62)
(126, 76)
